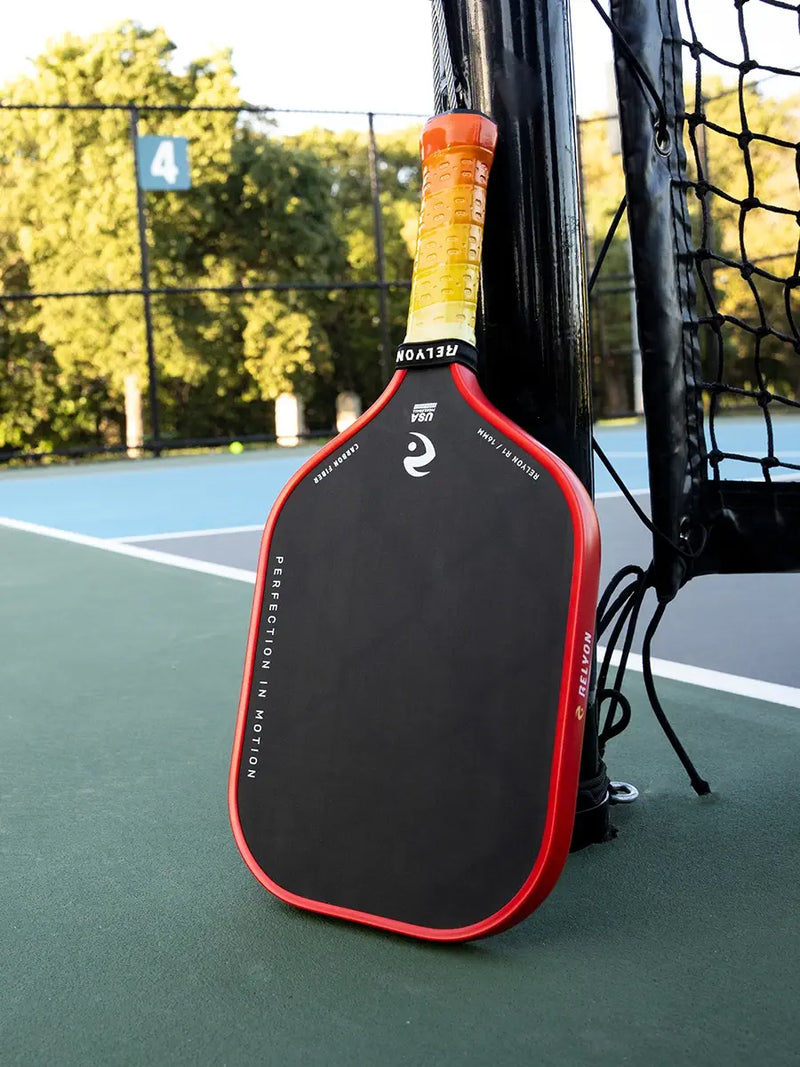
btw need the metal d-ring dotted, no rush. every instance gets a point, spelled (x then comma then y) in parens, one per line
(622, 793)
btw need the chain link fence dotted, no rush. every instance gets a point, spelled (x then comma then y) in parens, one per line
(170, 274)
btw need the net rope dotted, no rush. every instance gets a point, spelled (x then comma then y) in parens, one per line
(751, 349)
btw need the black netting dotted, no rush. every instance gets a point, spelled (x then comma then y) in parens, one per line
(743, 185)
(714, 218)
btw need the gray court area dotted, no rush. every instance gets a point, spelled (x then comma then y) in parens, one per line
(744, 624)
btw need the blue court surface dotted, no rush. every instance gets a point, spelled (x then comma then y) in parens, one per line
(150, 497)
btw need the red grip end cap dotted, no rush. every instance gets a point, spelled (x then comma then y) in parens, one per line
(458, 128)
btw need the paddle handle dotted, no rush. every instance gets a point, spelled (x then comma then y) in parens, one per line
(457, 150)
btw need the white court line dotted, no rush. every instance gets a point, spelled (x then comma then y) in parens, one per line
(616, 492)
(185, 533)
(770, 692)
(167, 558)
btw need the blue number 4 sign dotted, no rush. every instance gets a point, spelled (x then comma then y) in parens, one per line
(164, 163)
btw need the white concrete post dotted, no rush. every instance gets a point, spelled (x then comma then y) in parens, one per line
(348, 408)
(134, 427)
(289, 419)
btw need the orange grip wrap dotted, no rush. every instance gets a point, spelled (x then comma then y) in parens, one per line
(457, 153)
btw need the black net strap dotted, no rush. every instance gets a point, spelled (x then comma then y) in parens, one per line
(662, 254)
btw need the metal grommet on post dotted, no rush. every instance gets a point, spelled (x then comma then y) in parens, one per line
(662, 138)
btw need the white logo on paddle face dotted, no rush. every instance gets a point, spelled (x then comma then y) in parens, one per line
(423, 412)
(414, 464)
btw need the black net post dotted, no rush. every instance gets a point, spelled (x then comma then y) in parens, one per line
(512, 59)
(144, 259)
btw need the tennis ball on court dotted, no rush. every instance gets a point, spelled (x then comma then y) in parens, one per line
(236, 447)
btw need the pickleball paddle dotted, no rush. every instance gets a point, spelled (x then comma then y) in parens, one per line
(416, 678)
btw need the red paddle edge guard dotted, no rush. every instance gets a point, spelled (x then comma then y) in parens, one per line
(572, 701)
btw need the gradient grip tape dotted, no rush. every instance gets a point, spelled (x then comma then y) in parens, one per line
(457, 151)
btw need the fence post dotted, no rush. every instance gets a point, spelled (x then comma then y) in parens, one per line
(155, 445)
(380, 258)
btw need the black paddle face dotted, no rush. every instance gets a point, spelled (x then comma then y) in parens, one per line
(399, 739)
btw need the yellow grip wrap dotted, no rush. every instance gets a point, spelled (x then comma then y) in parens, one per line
(457, 153)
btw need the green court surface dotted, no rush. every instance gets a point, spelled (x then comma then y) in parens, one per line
(132, 933)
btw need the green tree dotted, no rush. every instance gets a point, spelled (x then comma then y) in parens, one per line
(266, 221)
(28, 373)
(610, 323)
(72, 199)
(352, 317)
(263, 210)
